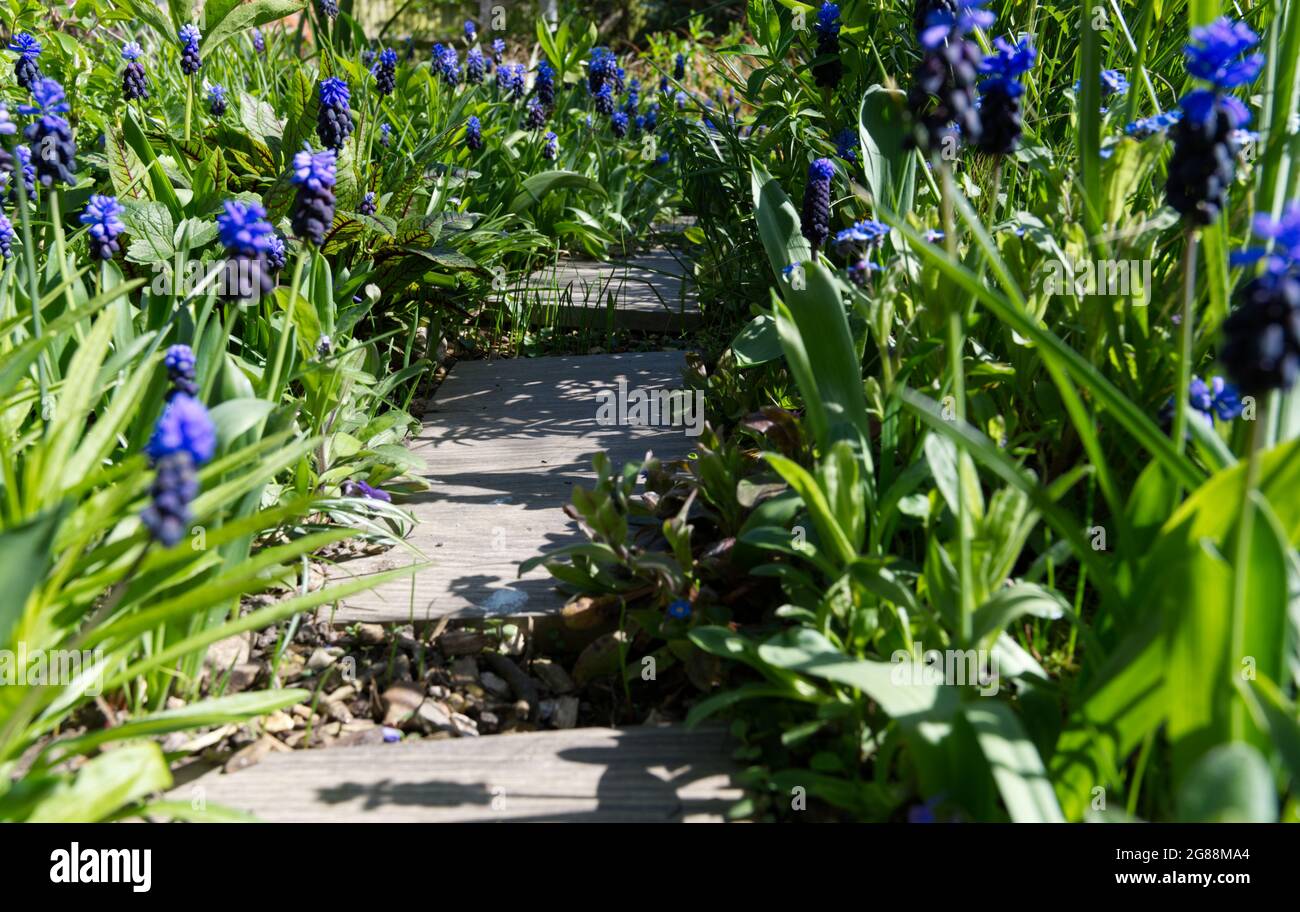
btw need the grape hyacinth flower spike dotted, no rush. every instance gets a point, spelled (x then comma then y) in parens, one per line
(314, 173)
(190, 59)
(473, 134)
(999, 109)
(217, 100)
(135, 85)
(6, 236)
(180, 364)
(550, 146)
(816, 217)
(679, 67)
(50, 133)
(471, 31)
(385, 135)
(1202, 166)
(544, 84)
(536, 118)
(259, 41)
(334, 119)
(828, 73)
(102, 218)
(925, 8)
(367, 204)
(248, 239)
(942, 96)
(329, 9)
(1261, 336)
(475, 66)
(386, 72)
(498, 50)
(27, 71)
(183, 440)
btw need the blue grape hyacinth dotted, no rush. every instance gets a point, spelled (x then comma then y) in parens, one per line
(190, 59)
(1261, 336)
(447, 62)
(942, 95)
(367, 204)
(618, 124)
(999, 109)
(679, 67)
(536, 117)
(1113, 82)
(550, 146)
(605, 100)
(248, 238)
(313, 212)
(102, 217)
(829, 72)
(27, 72)
(183, 439)
(386, 72)
(6, 236)
(473, 134)
(498, 50)
(329, 8)
(385, 135)
(135, 84)
(259, 41)
(334, 118)
(601, 67)
(475, 66)
(1206, 139)
(471, 30)
(816, 216)
(544, 84)
(180, 363)
(216, 100)
(51, 134)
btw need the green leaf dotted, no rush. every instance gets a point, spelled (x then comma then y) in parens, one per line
(1017, 768)
(1230, 784)
(104, 785)
(757, 343)
(26, 553)
(1009, 603)
(538, 186)
(245, 16)
(235, 417)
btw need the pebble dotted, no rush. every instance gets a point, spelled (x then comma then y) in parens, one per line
(566, 712)
(463, 642)
(400, 702)
(370, 634)
(553, 677)
(278, 722)
(494, 684)
(321, 658)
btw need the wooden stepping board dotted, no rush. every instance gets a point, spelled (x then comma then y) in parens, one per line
(652, 293)
(584, 774)
(504, 443)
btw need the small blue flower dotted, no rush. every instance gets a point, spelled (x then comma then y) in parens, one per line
(361, 489)
(315, 170)
(967, 15)
(1150, 126)
(679, 609)
(25, 45)
(473, 134)
(243, 230)
(102, 218)
(183, 427)
(179, 359)
(470, 30)
(498, 48)
(217, 99)
(828, 21)
(7, 126)
(6, 236)
(1113, 82)
(1007, 64)
(132, 50)
(1217, 51)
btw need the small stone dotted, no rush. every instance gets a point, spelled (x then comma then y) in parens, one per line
(566, 712)
(223, 654)
(553, 677)
(278, 722)
(401, 702)
(252, 754)
(370, 634)
(321, 659)
(242, 677)
(464, 671)
(488, 723)
(434, 716)
(338, 712)
(463, 642)
(513, 642)
(464, 726)
(301, 710)
(494, 684)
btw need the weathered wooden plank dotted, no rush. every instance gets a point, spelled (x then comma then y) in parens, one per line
(652, 293)
(504, 443)
(584, 774)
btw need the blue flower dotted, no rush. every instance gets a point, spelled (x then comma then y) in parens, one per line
(183, 427)
(1216, 54)
(1113, 82)
(180, 363)
(217, 99)
(259, 41)
(1218, 397)
(470, 30)
(828, 21)
(1284, 232)
(1149, 126)
(190, 59)
(132, 50)
(313, 211)
(314, 169)
(475, 66)
(473, 134)
(7, 126)
(361, 489)
(243, 230)
(6, 236)
(679, 609)
(1007, 64)
(618, 124)
(846, 144)
(498, 48)
(102, 218)
(25, 45)
(51, 134)
(334, 118)
(550, 146)
(679, 67)
(966, 15)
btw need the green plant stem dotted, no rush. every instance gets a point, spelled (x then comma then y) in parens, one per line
(33, 291)
(956, 343)
(1185, 340)
(1241, 567)
(282, 347)
(189, 104)
(60, 246)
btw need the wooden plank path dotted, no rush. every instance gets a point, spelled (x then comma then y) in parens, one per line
(652, 292)
(504, 443)
(660, 774)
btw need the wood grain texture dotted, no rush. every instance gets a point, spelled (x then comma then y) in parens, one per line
(584, 774)
(652, 293)
(504, 443)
